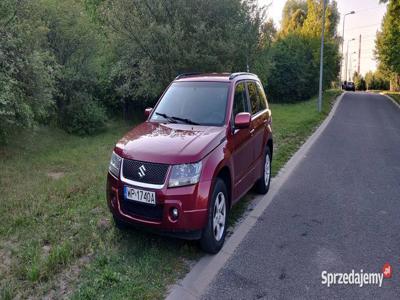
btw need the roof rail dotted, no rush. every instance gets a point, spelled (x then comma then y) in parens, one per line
(187, 74)
(233, 75)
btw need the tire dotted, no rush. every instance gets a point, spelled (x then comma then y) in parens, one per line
(121, 225)
(213, 235)
(262, 185)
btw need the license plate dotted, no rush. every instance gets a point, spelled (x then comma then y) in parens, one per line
(140, 195)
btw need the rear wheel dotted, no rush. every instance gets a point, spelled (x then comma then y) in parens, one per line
(262, 185)
(213, 236)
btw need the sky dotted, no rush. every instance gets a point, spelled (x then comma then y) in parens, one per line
(366, 21)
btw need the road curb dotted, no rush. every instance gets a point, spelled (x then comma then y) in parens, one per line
(391, 99)
(197, 280)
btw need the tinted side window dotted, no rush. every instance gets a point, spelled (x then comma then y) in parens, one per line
(240, 100)
(261, 97)
(254, 102)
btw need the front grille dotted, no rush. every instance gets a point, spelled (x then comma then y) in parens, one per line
(142, 210)
(145, 172)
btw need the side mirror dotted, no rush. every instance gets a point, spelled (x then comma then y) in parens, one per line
(147, 112)
(242, 120)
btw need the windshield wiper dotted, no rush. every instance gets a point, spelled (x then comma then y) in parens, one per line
(187, 121)
(173, 119)
(165, 116)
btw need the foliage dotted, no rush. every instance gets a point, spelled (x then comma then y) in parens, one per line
(27, 69)
(387, 44)
(376, 81)
(359, 82)
(290, 65)
(312, 25)
(159, 39)
(388, 39)
(293, 15)
(293, 68)
(76, 45)
(84, 115)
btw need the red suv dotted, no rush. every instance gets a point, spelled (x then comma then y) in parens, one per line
(204, 145)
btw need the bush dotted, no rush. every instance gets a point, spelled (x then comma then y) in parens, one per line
(376, 81)
(359, 82)
(290, 68)
(84, 116)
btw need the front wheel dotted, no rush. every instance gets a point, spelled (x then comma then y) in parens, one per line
(262, 185)
(213, 236)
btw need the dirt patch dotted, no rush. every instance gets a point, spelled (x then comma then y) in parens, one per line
(104, 224)
(5, 261)
(46, 250)
(63, 287)
(6, 249)
(55, 175)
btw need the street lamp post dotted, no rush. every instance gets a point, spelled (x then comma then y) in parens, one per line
(347, 57)
(341, 61)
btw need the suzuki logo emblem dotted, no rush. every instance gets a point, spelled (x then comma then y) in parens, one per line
(142, 170)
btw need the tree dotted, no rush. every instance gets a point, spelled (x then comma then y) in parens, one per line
(359, 82)
(27, 69)
(290, 66)
(156, 40)
(76, 46)
(387, 44)
(376, 80)
(293, 15)
(313, 23)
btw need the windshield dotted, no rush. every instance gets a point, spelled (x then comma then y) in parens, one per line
(197, 103)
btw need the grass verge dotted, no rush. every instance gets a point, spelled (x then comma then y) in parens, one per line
(394, 95)
(56, 237)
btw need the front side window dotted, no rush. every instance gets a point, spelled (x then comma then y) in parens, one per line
(240, 99)
(198, 103)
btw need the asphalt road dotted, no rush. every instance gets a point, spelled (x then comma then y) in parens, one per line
(339, 210)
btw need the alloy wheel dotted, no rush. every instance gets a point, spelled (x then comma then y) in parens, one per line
(219, 216)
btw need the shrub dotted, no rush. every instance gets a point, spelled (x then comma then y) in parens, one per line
(290, 69)
(84, 116)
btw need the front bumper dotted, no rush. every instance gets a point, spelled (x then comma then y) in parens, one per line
(190, 201)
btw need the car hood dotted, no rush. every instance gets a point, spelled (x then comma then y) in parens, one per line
(170, 143)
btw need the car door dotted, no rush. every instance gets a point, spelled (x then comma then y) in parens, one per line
(243, 152)
(259, 120)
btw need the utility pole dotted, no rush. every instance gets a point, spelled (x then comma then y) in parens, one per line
(359, 55)
(321, 62)
(347, 57)
(351, 65)
(341, 61)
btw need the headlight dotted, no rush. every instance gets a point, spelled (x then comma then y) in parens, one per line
(115, 164)
(185, 174)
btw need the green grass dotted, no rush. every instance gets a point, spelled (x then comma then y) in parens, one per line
(56, 235)
(293, 123)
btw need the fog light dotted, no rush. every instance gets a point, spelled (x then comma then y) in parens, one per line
(174, 213)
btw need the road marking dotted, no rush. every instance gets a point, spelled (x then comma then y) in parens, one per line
(201, 275)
